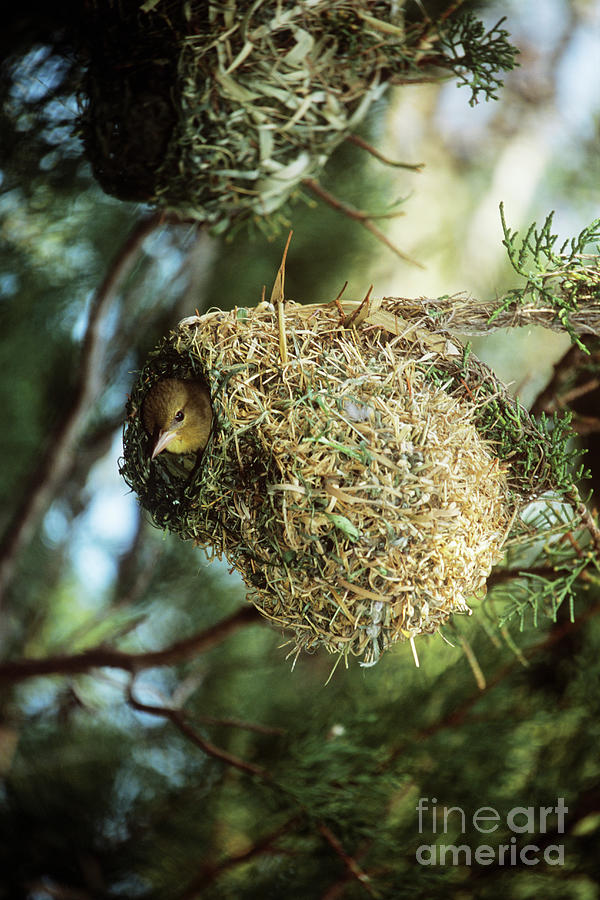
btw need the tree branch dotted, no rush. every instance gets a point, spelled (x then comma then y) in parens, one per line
(57, 458)
(105, 657)
(177, 718)
(352, 866)
(364, 145)
(470, 315)
(266, 845)
(546, 401)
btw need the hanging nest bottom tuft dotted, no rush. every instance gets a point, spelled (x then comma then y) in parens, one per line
(351, 486)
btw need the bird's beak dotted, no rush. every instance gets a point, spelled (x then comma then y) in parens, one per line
(163, 440)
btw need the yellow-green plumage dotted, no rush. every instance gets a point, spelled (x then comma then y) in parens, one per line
(178, 416)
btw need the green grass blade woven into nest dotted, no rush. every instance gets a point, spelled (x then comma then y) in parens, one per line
(364, 489)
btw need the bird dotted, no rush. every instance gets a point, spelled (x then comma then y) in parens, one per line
(177, 414)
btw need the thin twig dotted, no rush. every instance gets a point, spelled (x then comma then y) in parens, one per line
(589, 520)
(579, 391)
(240, 723)
(363, 218)
(502, 576)
(105, 657)
(473, 662)
(364, 145)
(546, 399)
(266, 845)
(350, 863)
(177, 718)
(586, 424)
(56, 460)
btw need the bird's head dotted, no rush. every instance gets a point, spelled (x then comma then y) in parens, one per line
(177, 415)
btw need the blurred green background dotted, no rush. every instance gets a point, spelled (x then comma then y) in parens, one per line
(102, 800)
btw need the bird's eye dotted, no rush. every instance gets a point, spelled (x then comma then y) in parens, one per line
(179, 416)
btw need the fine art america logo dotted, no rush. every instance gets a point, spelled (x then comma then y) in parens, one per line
(519, 850)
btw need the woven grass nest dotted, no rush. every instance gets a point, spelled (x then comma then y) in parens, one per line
(363, 488)
(219, 110)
